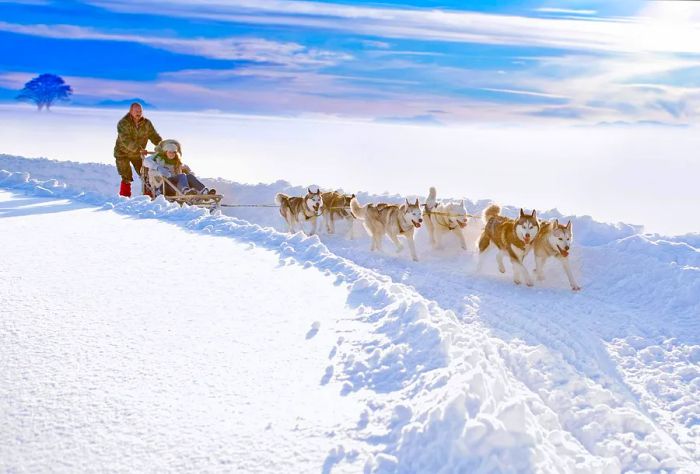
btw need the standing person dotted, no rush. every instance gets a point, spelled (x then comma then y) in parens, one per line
(133, 132)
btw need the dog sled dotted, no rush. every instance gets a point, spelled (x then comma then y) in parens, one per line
(154, 184)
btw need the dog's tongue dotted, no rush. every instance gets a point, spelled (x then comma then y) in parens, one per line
(564, 253)
(462, 225)
(416, 225)
(526, 240)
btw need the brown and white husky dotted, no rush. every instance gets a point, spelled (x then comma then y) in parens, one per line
(444, 218)
(390, 219)
(294, 208)
(512, 237)
(554, 240)
(336, 205)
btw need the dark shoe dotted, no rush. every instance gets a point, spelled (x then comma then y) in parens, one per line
(190, 191)
(212, 191)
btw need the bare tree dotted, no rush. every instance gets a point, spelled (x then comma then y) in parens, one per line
(44, 90)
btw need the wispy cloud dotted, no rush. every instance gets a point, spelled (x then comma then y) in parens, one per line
(568, 11)
(237, 48)
(639, 34)
(521, 92)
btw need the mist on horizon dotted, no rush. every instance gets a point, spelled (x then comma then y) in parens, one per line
(634, 174)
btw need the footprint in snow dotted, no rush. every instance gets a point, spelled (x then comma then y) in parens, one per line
(314, 330)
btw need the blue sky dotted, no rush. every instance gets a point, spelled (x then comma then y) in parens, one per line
(433, 61)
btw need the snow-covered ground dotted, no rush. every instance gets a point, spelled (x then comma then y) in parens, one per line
(140, 333)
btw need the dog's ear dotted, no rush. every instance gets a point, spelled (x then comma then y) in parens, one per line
(417, 203)
(461, 203)
(308, 190)
(407, 203)
(353, 196)
(556, 223)
(534, 214)
(568, 225)
(522, 213)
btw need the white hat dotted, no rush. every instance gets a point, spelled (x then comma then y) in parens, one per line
(169, 146)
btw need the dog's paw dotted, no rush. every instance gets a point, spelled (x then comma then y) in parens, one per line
(575, 288)
(529, 283)
(540, 277)
(517, 282)
(503, 270)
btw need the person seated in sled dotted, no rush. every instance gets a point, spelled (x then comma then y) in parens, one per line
(166, 163)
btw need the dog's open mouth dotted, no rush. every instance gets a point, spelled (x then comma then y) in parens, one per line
(526, 239)
(416, 224)
(564, 253)
(462, 225)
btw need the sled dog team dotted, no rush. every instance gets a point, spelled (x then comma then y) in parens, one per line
(514, 238)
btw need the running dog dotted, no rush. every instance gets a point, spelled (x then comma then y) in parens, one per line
(513, 237)
(390, 219)
(444, 218)
(293, 208)
(336, 205)
(554, 240)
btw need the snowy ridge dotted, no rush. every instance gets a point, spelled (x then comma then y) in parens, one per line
(472, 374)
(99, 178)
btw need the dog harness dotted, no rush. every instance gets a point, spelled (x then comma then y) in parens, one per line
(304, 208)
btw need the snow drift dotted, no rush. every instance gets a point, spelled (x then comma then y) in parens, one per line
(461, 372)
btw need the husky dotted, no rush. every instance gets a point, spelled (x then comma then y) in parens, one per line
(390, 219)
(444, 218)
(554, 240)
(512, 236)
(335, 205)
(308, 207)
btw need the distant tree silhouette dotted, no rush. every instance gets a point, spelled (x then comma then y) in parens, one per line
(44, 90)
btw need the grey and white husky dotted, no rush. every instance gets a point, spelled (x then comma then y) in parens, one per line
(554, 240)
(297, 209)
(444, 218)
(390, 219)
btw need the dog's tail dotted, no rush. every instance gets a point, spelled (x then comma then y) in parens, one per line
(432, 198)
(492, 211)
(280, 198)
(358, 212)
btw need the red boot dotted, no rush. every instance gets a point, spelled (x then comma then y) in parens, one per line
(125, 189)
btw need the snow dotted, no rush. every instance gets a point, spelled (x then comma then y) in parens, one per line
(119, 352)
(323, 355)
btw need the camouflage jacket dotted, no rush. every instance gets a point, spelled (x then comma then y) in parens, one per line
(132, 138)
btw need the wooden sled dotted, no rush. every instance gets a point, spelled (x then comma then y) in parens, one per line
(170, 192)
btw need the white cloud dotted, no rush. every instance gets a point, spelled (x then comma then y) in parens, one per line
(239, 48)
(640, 34)
(522, 92)
(566, 11)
